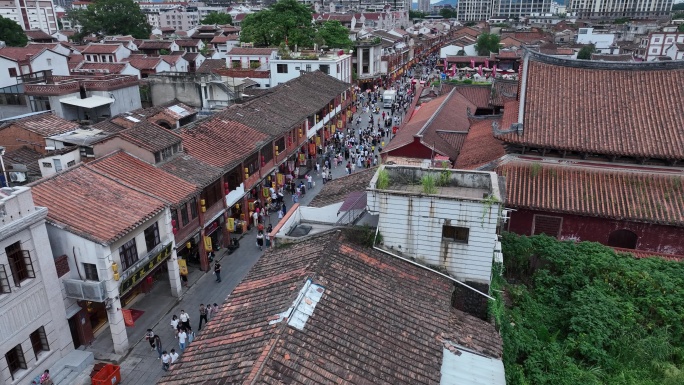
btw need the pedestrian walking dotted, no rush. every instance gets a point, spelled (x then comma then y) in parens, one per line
(182, 338)
(173, 355)
(309, 180)
(184, 320)
(324, 175)
(217, 271)
(45, 378)
(158, 346)
(174, 325)
(203, 316)
(149, 336)
(166, 360)
(260, 240)
(210, 311)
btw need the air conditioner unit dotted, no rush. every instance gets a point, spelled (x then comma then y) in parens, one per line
(17, 177)
(49, 148)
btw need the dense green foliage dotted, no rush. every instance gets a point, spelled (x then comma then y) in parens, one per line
(111, 17)
(416, 15)
(582, 314)
(487, 43)
(334, 35)
(585, 52)
(284, 21)
(215, 18)
(11, 33)
(448, 13)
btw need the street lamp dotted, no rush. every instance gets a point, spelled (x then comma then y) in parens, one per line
(2, 163)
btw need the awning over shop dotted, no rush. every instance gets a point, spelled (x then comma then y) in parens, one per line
(89, 102)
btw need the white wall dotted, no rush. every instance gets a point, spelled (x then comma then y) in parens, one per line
(50, 60)
(5, 78)
(126, 99)
(327, 214)
(344, 73)
(37, 302)
(72, 156)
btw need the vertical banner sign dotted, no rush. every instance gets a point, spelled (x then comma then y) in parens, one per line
(128, 318)
(280, 178)
(302, 159)
(183, 266)
(207, 244)
(312, 149)
(231, 225)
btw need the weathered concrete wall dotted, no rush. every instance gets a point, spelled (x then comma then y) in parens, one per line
(165, 89)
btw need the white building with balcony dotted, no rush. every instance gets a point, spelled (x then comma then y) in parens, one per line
(114, 238)
(34, 332)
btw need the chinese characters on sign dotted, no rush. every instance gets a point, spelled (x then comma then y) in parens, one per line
(144, 270)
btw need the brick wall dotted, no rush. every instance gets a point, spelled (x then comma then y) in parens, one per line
(62, 265)
(14, 137)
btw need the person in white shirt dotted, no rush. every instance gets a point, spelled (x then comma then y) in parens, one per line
(182, 337)
(166, 360)
(174, 356)
(174, 325)
(184, 319)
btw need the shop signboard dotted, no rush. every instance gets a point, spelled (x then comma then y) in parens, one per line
(144, 269)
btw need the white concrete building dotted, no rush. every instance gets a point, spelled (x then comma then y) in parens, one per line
(16, 61)
(119, 238)
(35, 332)
(39, 14)
(634, 9)
(337, 66)
(656, 44)
(453, 225)
(602, 41)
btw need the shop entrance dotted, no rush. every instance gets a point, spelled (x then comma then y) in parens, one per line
(97, 315)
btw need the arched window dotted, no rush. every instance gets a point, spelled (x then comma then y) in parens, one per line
(623, 238)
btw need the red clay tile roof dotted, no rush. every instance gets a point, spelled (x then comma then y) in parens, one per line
(627, 112)
(446, 113)
(144, 63)
(250, 51)
(336, 190)
(150, 136)
(221, 143)
(480, 146)
(26, 156)
(478, 95)
(287, 105)
(155, 44)
(38, 34)
(188, 42)
(131, 171)
(379, 320)
(93, 206)
(527, 37)
(113, 68)
(211, 64)
(640, 196)
(21, 53)
(101, 48)
(223, 39)
(45, 124)
(192, 170)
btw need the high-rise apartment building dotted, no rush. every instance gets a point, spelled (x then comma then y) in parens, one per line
(477, 10)
(635, 9)
(38, 14)
(424, 5)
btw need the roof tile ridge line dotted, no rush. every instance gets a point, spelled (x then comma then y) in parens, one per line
(280, 330)
(432, 118)
(115, 180)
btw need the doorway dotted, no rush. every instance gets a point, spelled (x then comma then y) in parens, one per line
(623, 238)
(73, 328)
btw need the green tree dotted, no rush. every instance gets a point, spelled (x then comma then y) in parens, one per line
(217, 18)
(111, 17)
(416, 15)
(678, 7)
(334, 34)
(286, 20)
(680, 28)
(487, 43)
(12, 34)
(586, 51)
(448, 13)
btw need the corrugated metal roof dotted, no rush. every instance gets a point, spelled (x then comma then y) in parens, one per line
(461, 367)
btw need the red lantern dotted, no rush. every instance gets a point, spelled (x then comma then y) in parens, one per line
(175, 230)
(225, 186)
(173, 224)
